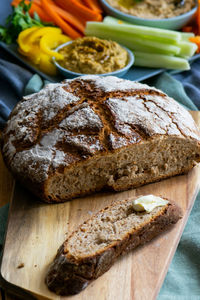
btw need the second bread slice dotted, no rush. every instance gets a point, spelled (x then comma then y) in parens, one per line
(92, 249)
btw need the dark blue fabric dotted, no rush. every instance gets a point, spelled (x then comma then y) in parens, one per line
(5, 10)
(13, 79)
(191, 82)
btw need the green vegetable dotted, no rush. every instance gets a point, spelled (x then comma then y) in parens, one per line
(150, 32)
(153, 47)
(186, 35)
(18, 21)
(187, 48)
(135, 42)
(143, 59)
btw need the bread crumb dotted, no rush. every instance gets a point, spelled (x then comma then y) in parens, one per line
(21, 265)
(35, 266)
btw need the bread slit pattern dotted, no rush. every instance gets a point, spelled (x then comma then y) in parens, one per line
(94, 133)
(92, 249)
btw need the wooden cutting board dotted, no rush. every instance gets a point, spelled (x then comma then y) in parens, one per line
(36, 230)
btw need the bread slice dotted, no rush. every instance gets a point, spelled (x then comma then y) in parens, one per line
(91, 250)
(93, 133)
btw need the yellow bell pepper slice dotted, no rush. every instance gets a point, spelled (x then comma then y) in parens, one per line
(49, 42)
(35, 53)
(23, 37)
(35, 36)
(34, 56)
(42, 31)
(46, 65)
(36, 44)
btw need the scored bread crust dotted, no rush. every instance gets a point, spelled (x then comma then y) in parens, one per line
(72, 125)
(69, 275)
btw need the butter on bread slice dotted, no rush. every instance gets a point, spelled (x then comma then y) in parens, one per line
(92, 249)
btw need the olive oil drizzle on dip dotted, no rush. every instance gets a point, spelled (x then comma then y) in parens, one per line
(153, 9)
(91, 55)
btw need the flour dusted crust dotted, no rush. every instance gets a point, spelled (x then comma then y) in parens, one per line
(68, 123)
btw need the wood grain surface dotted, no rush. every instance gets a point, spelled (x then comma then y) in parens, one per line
(36, 230)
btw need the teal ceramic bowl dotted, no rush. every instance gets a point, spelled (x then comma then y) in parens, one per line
(170, 23)
(69, 74)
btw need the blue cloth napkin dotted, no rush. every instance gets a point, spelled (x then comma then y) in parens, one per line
(13, 79)
(183, 278)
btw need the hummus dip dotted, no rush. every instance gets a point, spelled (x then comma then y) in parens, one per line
(153, 9)
(91, 55)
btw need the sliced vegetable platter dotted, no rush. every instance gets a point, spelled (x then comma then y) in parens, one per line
(37, 27)
(135, 73)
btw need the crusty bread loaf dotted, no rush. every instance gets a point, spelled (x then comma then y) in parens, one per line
(93, 133)
(92, 249)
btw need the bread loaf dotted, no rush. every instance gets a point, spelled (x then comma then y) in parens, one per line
(93, 133)
(91, 250)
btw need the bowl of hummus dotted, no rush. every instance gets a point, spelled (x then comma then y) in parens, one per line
(167, 14)
(91, 55)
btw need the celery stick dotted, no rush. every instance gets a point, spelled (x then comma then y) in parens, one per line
(129, 40)
(160, 61)
(185, 57)
(186, 35)
(187, 48)
(170, 35)
(113, 21)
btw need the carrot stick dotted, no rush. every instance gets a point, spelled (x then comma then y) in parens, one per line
(68, 17)
(81, 2)
(93, 5)
(187, 29)
(38, 2)
(81, 11)
(66, 28)
(36, 8)
(71, 19)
